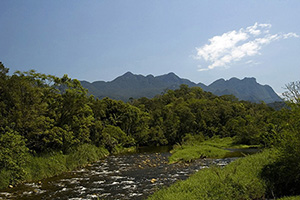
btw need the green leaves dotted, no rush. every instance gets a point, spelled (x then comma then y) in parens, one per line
(13, 154)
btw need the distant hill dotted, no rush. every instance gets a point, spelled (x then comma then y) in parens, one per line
(246, 89)
(135, 86)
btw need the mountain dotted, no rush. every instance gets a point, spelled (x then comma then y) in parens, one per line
(246, 89)
(130, 85)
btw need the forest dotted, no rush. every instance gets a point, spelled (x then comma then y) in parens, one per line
(42, 115)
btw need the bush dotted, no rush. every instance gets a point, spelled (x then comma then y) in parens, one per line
(283, 176)
(113, 137)
(12, 156)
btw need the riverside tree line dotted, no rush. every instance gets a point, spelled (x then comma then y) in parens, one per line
(41, 114)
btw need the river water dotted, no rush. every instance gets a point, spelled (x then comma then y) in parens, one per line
(130, 176)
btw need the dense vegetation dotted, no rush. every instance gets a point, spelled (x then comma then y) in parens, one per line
(271, 174)
(44, 116)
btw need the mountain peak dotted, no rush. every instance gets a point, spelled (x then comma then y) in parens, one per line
(250, 79)
(171, 74)
(128, 74)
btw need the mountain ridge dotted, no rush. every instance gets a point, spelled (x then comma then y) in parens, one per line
(131, 85)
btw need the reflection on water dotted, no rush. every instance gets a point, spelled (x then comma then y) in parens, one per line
(131, 176)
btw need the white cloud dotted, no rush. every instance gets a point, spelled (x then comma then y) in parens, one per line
(235, 45)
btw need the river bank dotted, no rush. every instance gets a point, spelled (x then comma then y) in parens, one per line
(193, 149)
(239, 180)
(55, 163)
(122, 176)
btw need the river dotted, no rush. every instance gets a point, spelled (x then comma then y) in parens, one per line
(129, 176)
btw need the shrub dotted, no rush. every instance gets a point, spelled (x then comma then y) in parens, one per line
(283, 176)
(12, 156)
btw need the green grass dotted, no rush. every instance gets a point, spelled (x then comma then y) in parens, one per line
(39, 167)
(212, 148)
(239, 180)
(188, 153)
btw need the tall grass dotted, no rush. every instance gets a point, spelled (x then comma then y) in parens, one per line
(85, 154)
(239, 180)
(39, 167)
(43, 166)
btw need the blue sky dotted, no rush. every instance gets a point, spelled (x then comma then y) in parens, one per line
(199, 40)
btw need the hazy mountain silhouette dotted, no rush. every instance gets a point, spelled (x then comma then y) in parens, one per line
(135, 86)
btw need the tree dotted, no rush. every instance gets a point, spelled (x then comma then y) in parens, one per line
(293, 92)
(113, 137)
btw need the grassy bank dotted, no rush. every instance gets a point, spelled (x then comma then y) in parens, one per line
(43, 166)
(212, 148)
(239, 180)
(188, 153)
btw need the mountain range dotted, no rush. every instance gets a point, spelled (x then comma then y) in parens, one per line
(135, 86)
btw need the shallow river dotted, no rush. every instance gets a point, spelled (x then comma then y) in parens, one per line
(131, 176)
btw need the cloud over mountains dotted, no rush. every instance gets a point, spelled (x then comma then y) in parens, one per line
(223, 50)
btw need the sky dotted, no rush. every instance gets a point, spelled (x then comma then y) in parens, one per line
(199, 40)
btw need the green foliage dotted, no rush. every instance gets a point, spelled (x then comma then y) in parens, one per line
(190, 139)
(113, 137)
(131, 120)
(12, 156)
(283, 176)
(193, 111)
(239, 180)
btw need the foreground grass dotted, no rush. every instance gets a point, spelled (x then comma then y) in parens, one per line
(39, 167)
(238, 180)
(212, 148)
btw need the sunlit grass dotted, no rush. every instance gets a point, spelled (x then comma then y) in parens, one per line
(212, 148)
(239, 180)
(39, 167)
(188, 153)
